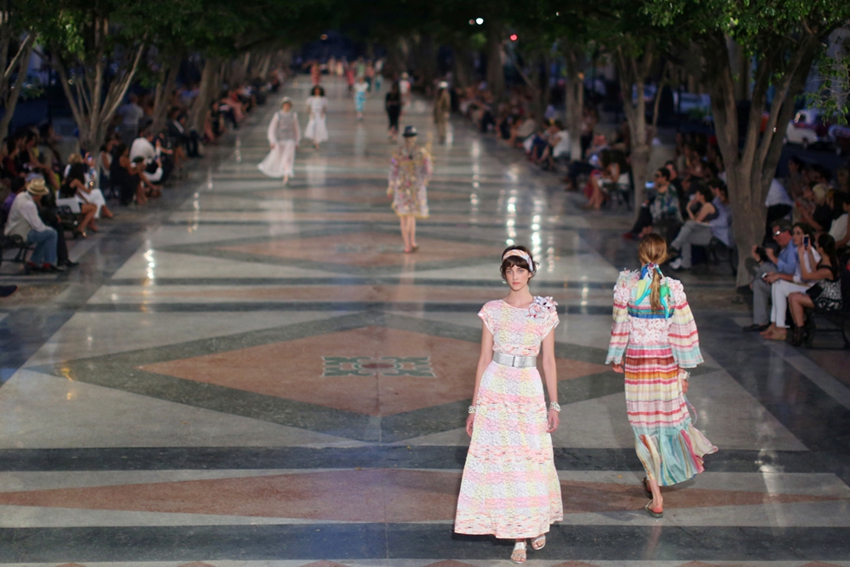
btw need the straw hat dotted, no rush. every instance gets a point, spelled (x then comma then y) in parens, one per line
(37, 187)
(820, 190)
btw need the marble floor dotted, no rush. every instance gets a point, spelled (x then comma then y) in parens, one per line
(247, 374)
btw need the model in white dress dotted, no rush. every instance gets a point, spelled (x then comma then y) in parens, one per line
(317, 107)
(284, 135)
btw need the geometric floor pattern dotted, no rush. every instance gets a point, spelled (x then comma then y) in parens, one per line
(246, 374)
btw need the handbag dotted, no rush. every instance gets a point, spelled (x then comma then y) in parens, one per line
(828, 297)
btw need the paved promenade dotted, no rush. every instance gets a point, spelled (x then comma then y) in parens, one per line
(247, 374)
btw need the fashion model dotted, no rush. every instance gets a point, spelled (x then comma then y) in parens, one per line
(284, 135)
(317, 109)
(410, 170)
(510, 487)
(653, 340)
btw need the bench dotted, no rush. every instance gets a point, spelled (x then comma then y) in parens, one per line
(837, 318)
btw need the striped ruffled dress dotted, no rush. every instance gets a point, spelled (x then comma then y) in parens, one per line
(653, 347)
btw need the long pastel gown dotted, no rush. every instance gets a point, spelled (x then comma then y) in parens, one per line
(510, 487)
(284, 134)
(655, 346)
(410, 171)
(317, 129)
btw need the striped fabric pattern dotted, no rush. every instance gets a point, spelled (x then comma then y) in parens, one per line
(655, 349)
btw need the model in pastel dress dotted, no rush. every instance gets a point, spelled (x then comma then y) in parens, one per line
(410, 170)
(360, 90)
(284, 135)
(317, 109)
(654, 340)
(510, 487)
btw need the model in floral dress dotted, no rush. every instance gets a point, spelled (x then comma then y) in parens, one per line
(510, 487)
(410, 170)
(654, 338)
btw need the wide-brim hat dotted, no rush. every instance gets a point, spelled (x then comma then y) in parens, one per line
(285, 100)
(443, 85)
(37, 187)
(410, 131)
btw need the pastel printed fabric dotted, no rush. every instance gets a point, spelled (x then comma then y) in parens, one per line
(655, 348)
(408, 182)
(510, 487)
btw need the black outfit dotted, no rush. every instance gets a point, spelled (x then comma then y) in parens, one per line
(48, 212)
(121, 178)
(392, 103)
(823, 216)
(178, 136)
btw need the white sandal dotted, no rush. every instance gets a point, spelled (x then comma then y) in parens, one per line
(539, 542)
(519, 555)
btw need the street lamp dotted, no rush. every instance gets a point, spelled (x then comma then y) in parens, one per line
(479, 21)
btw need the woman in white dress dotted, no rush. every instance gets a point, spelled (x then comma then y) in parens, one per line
(317, 107)
(284, 135)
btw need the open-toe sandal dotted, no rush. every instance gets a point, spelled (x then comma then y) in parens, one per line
(519, 552)
(652, 512)
(539, 542)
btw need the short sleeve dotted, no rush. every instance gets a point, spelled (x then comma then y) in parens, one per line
(552, 321)
(486, 315)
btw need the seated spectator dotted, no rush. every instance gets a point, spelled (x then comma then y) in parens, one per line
(558, 146)
(764, 263)
(17, 184)
(815, 211)
(779, 204)
(520, 130)
(842, 180)
(697, 230)
(75, 186)
(661, 208)
(600, 143)
(28, 164)
(181, 135)
(128, 176)
(840, 231)
(795, 181)
(613, 164)
(783, 285)
(106, 159)
(25, 222)
(825, 291)
(157, 166)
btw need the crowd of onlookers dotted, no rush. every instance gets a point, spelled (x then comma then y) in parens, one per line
(47, 195)
(803, 261)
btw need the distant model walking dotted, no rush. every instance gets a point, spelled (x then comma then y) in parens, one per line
(442, 110)
(392, 104)
(410, 170)
(360, 96)
(284, 135)
(317, 107)
(654, 338)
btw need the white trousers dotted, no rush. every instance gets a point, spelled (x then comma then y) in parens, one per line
(280, 160)
(780, 291)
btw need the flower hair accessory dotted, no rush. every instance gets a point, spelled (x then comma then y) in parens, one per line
(522, 254)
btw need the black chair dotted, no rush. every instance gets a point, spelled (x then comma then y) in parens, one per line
(13, 242)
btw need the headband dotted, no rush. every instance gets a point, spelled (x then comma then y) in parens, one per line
(644, 289)
(522, 255)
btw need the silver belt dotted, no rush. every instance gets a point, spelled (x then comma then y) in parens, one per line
(514, 361)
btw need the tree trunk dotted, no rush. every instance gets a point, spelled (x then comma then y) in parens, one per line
(574, 58)
(162, 93)
(495, 68)
(751, 170)
(20, 61)
(462, 68)
(207, 90)
(632, 72)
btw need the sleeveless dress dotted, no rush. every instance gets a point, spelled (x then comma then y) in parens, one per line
(655, 346)
(510, 487)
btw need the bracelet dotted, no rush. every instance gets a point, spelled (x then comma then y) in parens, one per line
(554, 406)
(471, 409)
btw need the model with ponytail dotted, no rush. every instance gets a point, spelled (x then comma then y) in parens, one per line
(653, 340)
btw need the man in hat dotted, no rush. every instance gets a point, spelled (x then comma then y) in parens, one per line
(410, 171)
(24, 221)
(442, 110)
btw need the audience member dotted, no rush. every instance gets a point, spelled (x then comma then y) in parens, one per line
(24, 221)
